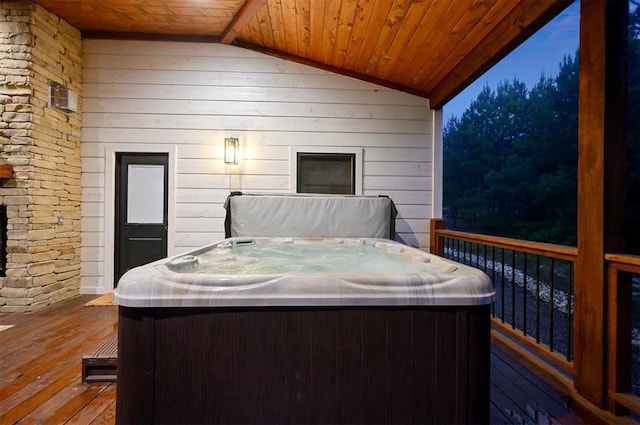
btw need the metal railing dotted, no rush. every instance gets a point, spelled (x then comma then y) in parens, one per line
(534, 287)
(534, 301)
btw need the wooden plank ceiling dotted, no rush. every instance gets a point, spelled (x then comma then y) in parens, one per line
(432, 48)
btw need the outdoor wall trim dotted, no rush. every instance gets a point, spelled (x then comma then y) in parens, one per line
(107, 284)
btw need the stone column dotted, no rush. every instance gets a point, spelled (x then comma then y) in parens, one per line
(43, 146)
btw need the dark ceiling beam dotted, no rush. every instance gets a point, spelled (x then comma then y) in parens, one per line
(241, 20)
(523, 21)
(335, 70)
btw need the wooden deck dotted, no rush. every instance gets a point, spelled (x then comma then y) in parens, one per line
(40, 373)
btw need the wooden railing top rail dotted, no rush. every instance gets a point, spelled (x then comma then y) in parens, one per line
(628, 400)
(627, 262)
(538, 248)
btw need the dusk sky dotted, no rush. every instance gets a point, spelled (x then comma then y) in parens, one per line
(541, 53)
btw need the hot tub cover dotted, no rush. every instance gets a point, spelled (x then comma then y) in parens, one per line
(425, 279)
(309, 215)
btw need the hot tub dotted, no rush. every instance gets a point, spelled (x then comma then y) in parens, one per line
(300, 330)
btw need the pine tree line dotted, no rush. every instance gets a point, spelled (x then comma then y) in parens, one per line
(510, 160)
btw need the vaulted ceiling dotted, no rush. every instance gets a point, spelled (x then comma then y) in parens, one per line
(432, 48)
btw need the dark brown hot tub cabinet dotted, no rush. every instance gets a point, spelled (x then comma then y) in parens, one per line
(262, 365)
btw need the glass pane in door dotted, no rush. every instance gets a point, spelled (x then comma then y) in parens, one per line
(145, 196)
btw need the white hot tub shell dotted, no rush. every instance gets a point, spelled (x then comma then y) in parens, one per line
(273, 272)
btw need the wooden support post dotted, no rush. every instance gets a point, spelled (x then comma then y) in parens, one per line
(601, 182)
(619, 337)
(435, 243)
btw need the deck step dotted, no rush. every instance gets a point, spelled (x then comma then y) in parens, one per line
(102, 365)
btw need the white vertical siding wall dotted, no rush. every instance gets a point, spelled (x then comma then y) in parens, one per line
(185, 98)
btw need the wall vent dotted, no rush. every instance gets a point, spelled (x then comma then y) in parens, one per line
(62, 98)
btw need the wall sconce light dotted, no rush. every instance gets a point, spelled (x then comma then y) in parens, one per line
(231, 148)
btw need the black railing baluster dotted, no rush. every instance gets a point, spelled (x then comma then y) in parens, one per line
(538, 299)
(513, 289)
(569, 311)
(551, 305)
(467, 254)
(524, 295)
(484, 257)
(493, 274)
(464, 252)
(493, 264)
(502, 284)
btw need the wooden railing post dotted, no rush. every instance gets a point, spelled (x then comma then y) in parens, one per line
(601, 183)
(618, 336)
(435, 242)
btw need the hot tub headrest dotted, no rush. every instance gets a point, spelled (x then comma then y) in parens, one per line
(302, 215)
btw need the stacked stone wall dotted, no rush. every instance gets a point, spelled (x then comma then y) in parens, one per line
(43, 146)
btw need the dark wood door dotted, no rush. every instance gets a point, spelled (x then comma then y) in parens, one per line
(140, 210)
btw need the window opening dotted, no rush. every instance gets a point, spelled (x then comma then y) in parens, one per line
(330, 173)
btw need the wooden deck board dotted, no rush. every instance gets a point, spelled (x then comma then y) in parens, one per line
(41, 382)
(101, 409)
(40, 369)
(540, 400)
(503, 409)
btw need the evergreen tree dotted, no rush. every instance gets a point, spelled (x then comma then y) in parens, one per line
(510, 160)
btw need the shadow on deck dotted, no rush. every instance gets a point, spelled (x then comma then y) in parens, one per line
(41, 368)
